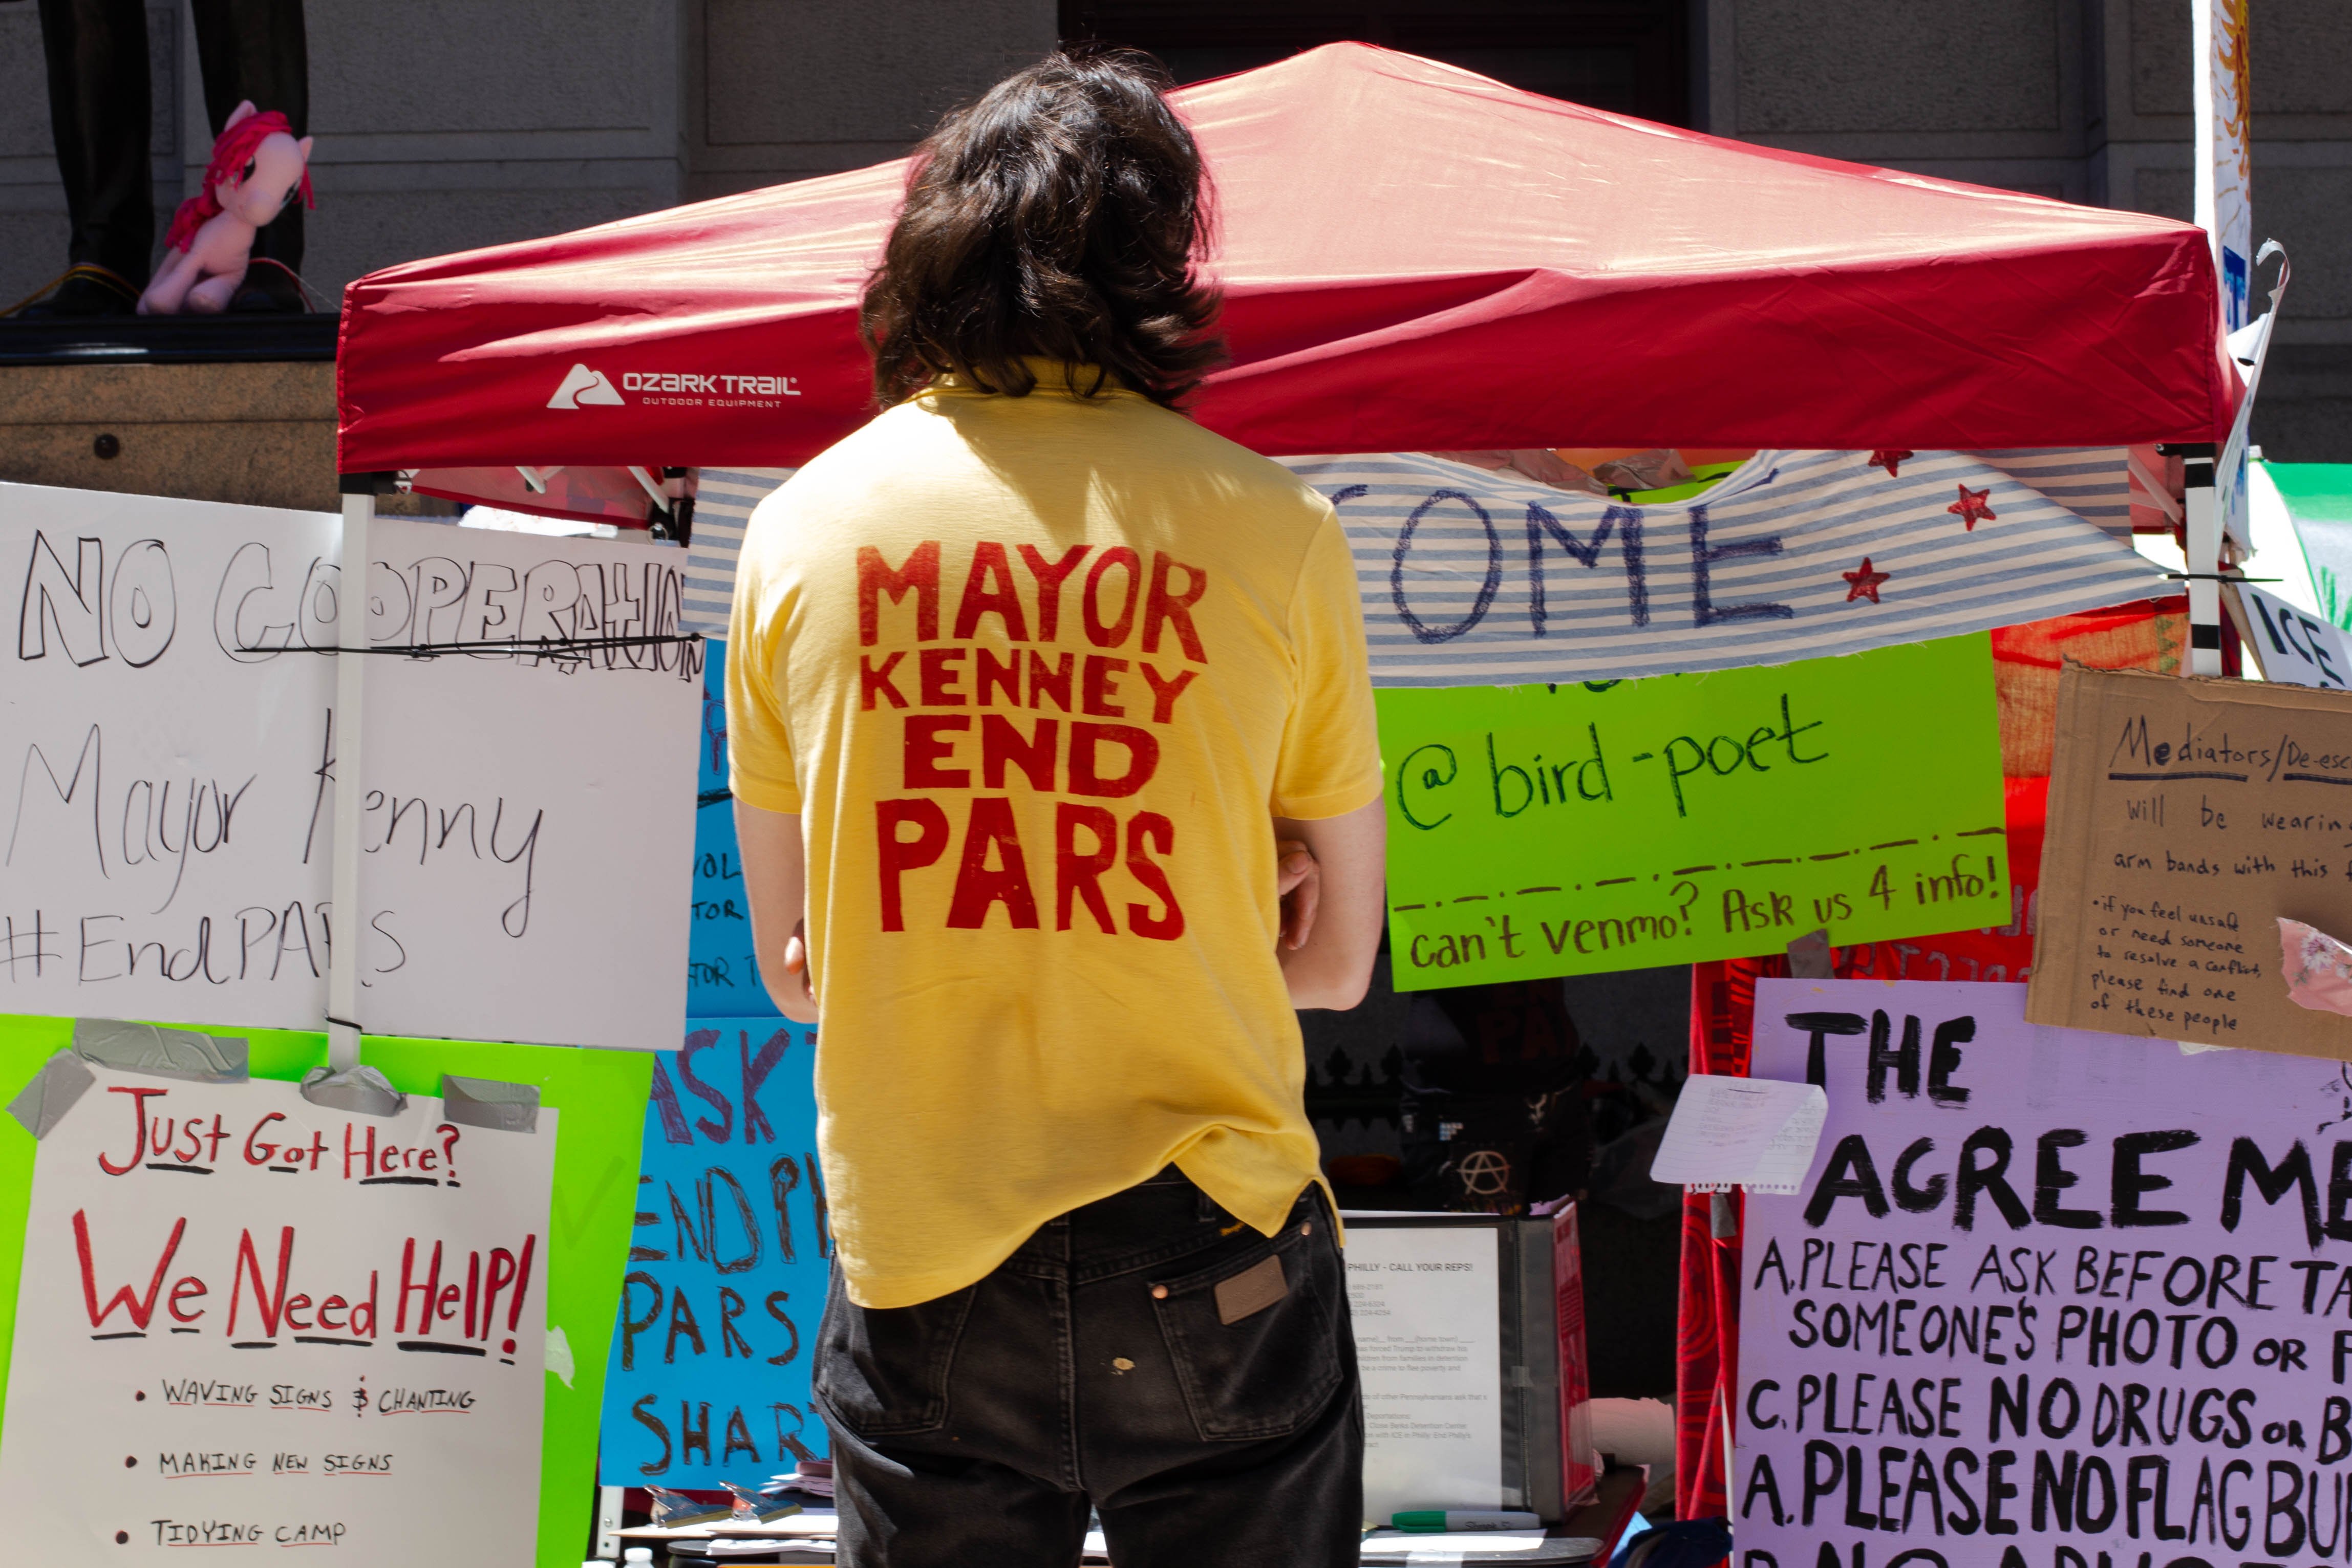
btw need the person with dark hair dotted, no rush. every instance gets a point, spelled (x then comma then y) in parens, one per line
(1053, 761)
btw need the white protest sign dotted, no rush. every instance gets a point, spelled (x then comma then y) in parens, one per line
(162, 836)
(2295, 645)
(1429, 1349)
(529, 823)
(2046, 1298)
(167, 758)
(245, 1320)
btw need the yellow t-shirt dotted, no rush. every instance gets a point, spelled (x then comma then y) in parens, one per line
(1037, 674)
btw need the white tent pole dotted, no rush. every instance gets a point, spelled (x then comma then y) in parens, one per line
(351, 670)
(2204, 538)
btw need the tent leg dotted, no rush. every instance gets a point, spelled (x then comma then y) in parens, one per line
(608, 1523)
(2204, 552)
(351, 669)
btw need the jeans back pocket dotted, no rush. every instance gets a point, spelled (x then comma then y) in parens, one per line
(1272, 1371)
(883, 1371)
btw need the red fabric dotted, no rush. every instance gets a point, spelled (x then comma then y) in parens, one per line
(1723, 1011)
(1723, 1022)
(1414, 257)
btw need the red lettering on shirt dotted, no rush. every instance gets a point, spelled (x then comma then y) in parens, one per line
(898, 855)
(1003, 601)
(977, 887)
(988, 674)
(1156, 831)
(1085, 774)
(1164, 692)
(1049, 585)
(925, 750)
(876, 577)
(938, 678)
(871, 680)
(1097, 687)
(1111, 633)
(1172, 610)
(1079, 875)
(1051, 683)
(1018, 760)
(1001, 741)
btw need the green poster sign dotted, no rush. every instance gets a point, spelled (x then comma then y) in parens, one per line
(1539, 830)
(602, 1097)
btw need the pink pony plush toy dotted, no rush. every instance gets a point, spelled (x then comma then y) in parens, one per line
(257, 167)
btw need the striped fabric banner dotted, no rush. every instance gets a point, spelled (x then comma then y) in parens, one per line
(1473, 578)
(723, 500)
(2093, 483)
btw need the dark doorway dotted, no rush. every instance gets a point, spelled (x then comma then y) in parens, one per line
(1632, 57)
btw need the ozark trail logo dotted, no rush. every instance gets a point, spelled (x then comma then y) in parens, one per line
(582, 385)
(673, 388)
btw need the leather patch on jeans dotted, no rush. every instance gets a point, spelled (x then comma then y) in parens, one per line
(1253, 1290)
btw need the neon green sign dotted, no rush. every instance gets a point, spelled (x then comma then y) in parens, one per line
(1539, 830)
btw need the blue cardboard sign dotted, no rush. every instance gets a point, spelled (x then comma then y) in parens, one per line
(728, 1261)
(723, 974)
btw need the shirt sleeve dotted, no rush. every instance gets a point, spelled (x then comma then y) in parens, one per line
(759, 740)
(1331, 761)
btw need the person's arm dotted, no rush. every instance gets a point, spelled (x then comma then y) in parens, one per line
(775, 882)
(1333, 967)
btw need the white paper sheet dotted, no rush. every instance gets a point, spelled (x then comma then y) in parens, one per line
(1427, 1304)
(1755, 1133)
(1452, 1543)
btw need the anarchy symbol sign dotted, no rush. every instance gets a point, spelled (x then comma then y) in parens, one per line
(1484, 1173)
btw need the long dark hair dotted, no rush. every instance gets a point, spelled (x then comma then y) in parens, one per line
(1056, 218)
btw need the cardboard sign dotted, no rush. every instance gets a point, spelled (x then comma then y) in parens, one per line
(2186, 818)
(722, 968)
(167, 762)
(2045, 1298)
(245, 1320)
(1538, 831)
(709, 1380)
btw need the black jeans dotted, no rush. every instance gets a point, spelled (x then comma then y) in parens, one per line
(1094, 1366)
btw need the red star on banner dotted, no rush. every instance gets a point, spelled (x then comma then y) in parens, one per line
(1888, 458)
(1970, 507)
(1864, 584)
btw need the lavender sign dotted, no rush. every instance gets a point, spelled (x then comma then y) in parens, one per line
(2046, 1299)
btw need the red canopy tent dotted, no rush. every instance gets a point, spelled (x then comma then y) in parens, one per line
(1413, 256)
